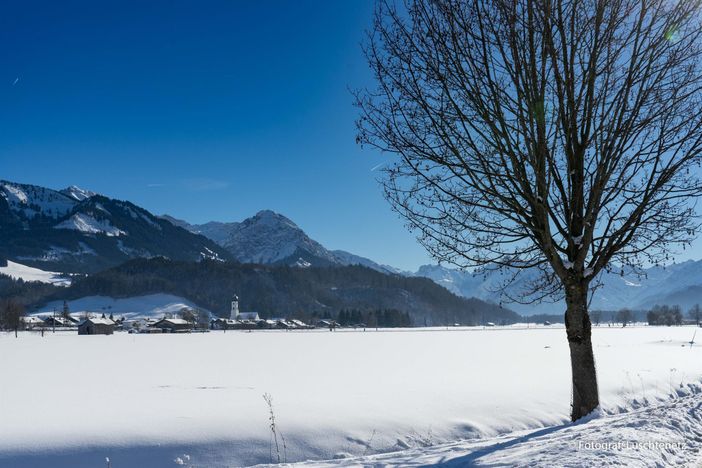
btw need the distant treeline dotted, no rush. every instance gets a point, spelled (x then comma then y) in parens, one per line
(386, 318)
(541, 318)
(27, 293)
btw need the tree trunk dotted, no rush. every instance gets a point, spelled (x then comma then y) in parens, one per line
(582, 359)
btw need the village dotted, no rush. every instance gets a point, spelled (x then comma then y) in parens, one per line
(187, 321)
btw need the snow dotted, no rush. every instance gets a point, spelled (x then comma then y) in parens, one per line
(210, 255)
(32, 200)
(101, 321)
(345, 392)
(78, 193)
(150, 306)
(666, 434)
(55, 253)
(269, 237)
(140, 215)
(27, 273)
(86, 223)
(16, 195)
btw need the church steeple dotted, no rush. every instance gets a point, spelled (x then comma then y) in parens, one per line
(235, 308)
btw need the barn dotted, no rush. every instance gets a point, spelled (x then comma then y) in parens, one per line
(96, 326)
(173, 325)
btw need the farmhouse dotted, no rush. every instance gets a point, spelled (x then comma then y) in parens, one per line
(96, 326)
(31, 322)
(57, 321)
(229, 324)
(173, 325)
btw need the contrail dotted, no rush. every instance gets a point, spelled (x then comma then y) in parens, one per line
(16, 80)
(378, 166)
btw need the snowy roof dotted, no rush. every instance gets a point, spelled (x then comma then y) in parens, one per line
(32, 320)
(57, 319)
(247, 315)
(99, 321)
(175, 321)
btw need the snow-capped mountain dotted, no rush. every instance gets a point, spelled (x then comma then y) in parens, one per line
(23, 203)
(77, 193)
(271, 238)
(679, 284)
(75, 230)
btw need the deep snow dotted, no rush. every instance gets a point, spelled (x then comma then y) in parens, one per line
(663, 434)
(147, 400)
(27, 273)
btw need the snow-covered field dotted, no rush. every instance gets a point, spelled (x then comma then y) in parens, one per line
(164, 400)
(150, 306)
(27, 273)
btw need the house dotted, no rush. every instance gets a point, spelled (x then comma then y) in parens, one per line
(32, 322)
(52, 321)
(173, 325)
(299, 324)
(327, 324)
(223, 324)
(96, 326)
(282, 324)
(72, 320)
(265, 324)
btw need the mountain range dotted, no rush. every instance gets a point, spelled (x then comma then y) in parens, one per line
(79, 231)
(270, 238)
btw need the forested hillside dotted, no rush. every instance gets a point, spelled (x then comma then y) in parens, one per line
(287, 291)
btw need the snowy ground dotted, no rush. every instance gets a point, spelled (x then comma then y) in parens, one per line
(150, 306)
(27, 273)
(657, 435)
(150, 400)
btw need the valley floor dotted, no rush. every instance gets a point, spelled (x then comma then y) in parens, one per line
(197, 399)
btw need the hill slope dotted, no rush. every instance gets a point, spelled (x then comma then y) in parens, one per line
(286, 291)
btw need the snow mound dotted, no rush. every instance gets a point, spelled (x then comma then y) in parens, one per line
(27, 273)
(667, 434)
(86, 223)
(131, 308)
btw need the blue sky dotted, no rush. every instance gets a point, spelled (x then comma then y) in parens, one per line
(202, 110)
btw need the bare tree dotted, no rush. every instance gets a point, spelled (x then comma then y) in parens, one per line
(11, 313)
(624, 316)
(537, 136)
(695, 314)
(596, 317)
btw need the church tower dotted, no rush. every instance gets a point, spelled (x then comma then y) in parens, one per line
(235, 308)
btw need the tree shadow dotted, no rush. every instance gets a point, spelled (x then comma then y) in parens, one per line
(471, 458)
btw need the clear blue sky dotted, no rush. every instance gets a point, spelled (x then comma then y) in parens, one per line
(202, 110)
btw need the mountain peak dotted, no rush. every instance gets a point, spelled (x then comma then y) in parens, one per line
(270, 217)
(77, 193)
